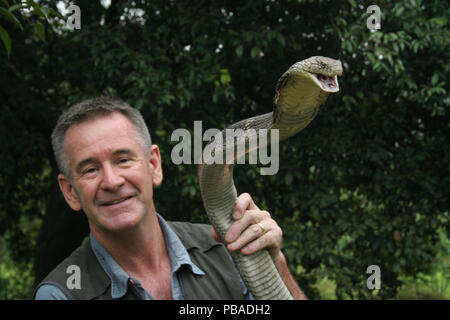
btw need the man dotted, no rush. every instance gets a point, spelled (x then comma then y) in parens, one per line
(108, 169)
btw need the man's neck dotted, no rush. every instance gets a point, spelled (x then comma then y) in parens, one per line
(139, 251)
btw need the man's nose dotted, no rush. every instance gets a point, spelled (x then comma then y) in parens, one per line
(112, 180)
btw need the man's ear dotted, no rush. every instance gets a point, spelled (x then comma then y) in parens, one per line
(155, 165)
(69, 192)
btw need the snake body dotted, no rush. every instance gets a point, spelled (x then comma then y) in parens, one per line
(300, 92)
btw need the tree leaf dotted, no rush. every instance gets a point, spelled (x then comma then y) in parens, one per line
(6, 40)
(434, 79)
(281, 40)
(288, 178)
(352, 3)
(14, 7)
(55, 13)
(40, 31)
(240, 51)
(11, 17)
(254, 53)
(439, 21)
(46, 12)
(225, 77)
(37, 9)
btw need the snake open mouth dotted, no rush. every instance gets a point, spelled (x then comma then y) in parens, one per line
(328, 84)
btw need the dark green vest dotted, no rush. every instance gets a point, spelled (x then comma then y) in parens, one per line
(221, 280)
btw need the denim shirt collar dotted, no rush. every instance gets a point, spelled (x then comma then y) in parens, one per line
(178, 256)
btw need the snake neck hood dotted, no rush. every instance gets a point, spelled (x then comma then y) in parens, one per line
(301, 91)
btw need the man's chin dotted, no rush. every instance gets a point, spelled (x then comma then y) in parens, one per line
(119, 221)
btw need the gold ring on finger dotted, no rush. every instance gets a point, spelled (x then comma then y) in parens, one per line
(262, 228)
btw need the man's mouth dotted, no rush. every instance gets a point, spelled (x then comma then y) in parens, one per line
(116, 201)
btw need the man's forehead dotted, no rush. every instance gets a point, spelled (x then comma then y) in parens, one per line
(101, 131)
(100, 125)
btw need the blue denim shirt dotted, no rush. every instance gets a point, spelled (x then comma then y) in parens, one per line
(178, 256)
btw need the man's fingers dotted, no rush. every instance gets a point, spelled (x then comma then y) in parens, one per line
(244, 202)
(250, 234)
(258, 244)
(270, 234)
(215, 235)
(250, 217)
(271, 240)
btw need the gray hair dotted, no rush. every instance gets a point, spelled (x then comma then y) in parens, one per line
(88, 109)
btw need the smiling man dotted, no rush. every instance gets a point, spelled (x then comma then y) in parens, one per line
(108, 169)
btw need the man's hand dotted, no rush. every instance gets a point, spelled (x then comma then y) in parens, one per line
(253, 229)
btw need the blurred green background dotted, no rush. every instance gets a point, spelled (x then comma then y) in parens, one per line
(367, 183)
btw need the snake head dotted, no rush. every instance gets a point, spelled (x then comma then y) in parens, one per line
(322, 70)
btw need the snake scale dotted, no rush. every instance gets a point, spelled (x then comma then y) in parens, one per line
(300, 92)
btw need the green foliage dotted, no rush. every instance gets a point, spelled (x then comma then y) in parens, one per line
(5, 39)
(16, 278)
(366, 183)
(16, 282)
(27, 10)
(433, 285)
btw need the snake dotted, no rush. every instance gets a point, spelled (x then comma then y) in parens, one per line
(299, 94)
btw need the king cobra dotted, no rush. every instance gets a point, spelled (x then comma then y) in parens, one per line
(300, 92)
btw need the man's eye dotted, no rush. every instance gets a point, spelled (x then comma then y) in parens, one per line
(90, 170)
(124, 160)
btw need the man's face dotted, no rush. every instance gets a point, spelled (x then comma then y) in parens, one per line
(112, 179)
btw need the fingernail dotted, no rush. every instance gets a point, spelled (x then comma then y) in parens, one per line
(232, 246)
(237, 214)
